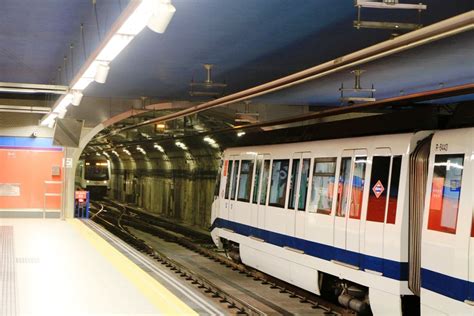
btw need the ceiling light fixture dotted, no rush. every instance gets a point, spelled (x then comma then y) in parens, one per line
(76, 98)
(163, 12)
(156, 13)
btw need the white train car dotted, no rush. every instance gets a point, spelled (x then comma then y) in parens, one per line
(346, 216)
(93, 175)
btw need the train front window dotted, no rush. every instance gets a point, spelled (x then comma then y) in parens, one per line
(323, 185)
(96, 171)
(445, 193)
(279, 183)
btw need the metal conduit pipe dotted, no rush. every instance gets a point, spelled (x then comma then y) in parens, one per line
(448, 27)
(24, 109)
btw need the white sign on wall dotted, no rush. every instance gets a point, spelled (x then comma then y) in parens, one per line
(9, 189)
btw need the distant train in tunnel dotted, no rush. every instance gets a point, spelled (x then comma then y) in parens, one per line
(381, 222)
(93, 175)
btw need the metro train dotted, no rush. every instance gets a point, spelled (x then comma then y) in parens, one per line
(93, 175)
(379, 223)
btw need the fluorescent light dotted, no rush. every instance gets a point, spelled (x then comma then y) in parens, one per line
(82, 83)
(138, 19)
(116, 44)
(76, 98)
(163, 12)
(102, 73)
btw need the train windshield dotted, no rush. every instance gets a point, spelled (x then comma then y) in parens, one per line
(96, 171)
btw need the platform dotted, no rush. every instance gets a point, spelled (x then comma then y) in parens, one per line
(54, 267)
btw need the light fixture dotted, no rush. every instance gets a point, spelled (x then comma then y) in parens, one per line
(134, 18)
(102, 73)
(240, 134)
(181, 145)
(76, 98)
(159, 148)
(162, 13)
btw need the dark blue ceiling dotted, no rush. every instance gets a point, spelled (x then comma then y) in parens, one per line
(249, 41)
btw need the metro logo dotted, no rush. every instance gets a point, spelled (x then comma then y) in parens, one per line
(378, 189)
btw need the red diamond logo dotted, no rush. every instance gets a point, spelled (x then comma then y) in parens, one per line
(378, 189)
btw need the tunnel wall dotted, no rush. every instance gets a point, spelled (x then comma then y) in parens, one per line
(179, 186)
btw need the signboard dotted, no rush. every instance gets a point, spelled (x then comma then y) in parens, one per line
(68, 163)
(378, 189)
(81, 196)
(10, 189)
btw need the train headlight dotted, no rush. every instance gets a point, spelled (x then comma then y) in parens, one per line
(105, 181)
(87, 181)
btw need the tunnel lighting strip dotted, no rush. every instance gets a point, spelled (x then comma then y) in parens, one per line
(156, 13)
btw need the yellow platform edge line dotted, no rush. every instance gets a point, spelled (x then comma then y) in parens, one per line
(158, 295)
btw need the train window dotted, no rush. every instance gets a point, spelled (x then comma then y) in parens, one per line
(256, 183)
(279, 180)
(378, 189)
(235, 173)
(445, 193)
(218, 181)
(265, 176)
(294, 178)
(323, 185)
(245, 180)
(394, 184)
(343, 187)
(358, 181)
(227, 174)
(304, 185)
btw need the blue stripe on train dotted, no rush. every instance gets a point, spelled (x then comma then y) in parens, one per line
(446, 285)
(389, 268)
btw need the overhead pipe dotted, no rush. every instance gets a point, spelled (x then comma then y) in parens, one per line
(398, 101)
(448, 27)
(25, 109)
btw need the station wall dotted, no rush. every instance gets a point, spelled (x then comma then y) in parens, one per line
(25, 164)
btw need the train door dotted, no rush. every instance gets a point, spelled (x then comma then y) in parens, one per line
(233, 188)
(349, 206)
(377, 207)
(298, 190)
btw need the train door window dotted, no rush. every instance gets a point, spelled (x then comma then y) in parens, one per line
(279, 181)
(378, 189)
(265, 176)
(358, 181)
(256, 183)
(323, 185)
(394, 184)
(245, 180)
(235, 174)
(343, 187)
(227, 173)
(304, 185)
(293, 180)
(445, 193)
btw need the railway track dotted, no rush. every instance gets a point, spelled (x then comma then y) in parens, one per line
(140, 230)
